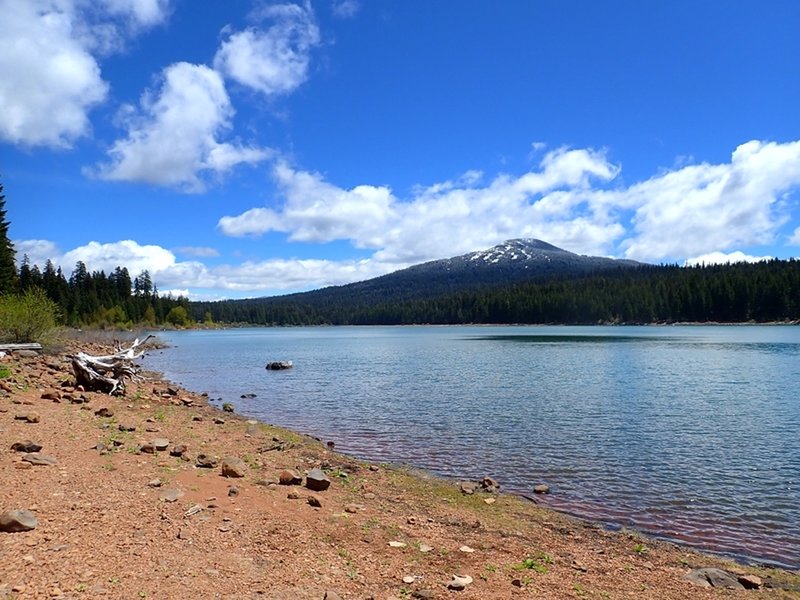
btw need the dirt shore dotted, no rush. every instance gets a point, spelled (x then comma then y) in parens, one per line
(120, 517)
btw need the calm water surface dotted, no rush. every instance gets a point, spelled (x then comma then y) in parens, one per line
(689, 433)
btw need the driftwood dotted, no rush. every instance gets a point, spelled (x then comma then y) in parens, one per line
(107, 373)
(15, 347)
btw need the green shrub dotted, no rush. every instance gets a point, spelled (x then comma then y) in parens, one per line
(26, 317)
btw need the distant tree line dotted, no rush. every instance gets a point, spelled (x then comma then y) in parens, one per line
(105, 300)
(738, 293)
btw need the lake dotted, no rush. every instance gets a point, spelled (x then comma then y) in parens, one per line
(690, 433)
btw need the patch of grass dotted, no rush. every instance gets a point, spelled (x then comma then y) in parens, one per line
(535, 563)
(641, 549)
(5, 372)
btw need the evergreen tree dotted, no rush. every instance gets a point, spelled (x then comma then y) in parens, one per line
(8, 270)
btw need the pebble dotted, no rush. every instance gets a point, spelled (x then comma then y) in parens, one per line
(154, 483)
(353, 508)
(314, 501)
(206, 462)
(425, 548)
(233, 491)
(28, 417)
(178, 450)
(126, 427)
(147, 448)
(542, 488)
(395, 544)
(160, 444)
(466, 549)
(193, 510)
(490, 500)
(219, 421)
(104, 412)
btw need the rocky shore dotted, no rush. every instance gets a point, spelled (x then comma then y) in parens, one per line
(156, 494)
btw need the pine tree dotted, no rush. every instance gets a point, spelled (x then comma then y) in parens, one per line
(8, 270)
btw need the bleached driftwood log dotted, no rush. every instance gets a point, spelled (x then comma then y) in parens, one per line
(108, 373)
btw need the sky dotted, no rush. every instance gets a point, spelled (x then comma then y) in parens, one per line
(251, 148)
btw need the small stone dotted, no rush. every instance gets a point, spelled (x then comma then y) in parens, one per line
(154, 483)
(178, 450)
(542, 488)
(425, 548)
(233, 467)
(126, 427)
(409, 579)
(14, 521)
(227, 407)
(172, 390)
(290, 477)
(233, 491)
(317, 481)
(193, 510)
(314, 501)
(31, 417)
(219, 421)
(206, 462)
(147, 448)
(459, 582)
(751, 582)
(104, 412)
(197, 418)
(26, 446)
(293, 496)
(160, 444)
(711, 577)
(52, 395)
(490, 500)
(171, 494)
(467, 487)
(37, 459)
(466, 549)
(353, 508)
(374, 468)
(396, 544)
(247, 396)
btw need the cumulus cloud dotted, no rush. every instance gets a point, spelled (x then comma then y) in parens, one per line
(446, 217)
(173, 137)
(50, 78)
(703, 208)
(273, 59)
(720, 258)
(794, 240)
(37, 251)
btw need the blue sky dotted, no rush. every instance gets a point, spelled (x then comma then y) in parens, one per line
(254, 148)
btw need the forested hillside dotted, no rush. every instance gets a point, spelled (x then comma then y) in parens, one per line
(743, 292)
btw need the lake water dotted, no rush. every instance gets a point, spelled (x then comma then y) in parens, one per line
(689, 433)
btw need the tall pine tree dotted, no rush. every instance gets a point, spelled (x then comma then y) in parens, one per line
(8, 270)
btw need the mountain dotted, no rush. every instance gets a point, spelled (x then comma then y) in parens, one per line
(513, 261)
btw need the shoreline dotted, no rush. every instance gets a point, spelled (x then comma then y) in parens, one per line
(105, 532)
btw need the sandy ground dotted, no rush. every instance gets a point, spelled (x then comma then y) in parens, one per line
(118, 522)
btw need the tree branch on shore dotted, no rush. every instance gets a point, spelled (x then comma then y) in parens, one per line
(108, 373)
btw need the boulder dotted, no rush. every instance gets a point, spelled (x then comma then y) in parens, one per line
(206, 462)
(542, 488)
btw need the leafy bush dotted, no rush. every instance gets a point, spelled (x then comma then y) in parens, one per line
(27, 317)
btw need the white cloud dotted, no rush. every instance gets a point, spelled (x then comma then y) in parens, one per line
(720, 258)
(274, 60)
(345, 9)
(795, 239)
(703, 208)
(48, 79)
(127, 253)
(447, 217)
(172, 138)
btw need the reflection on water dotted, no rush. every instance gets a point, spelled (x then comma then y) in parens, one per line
(692, 433)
